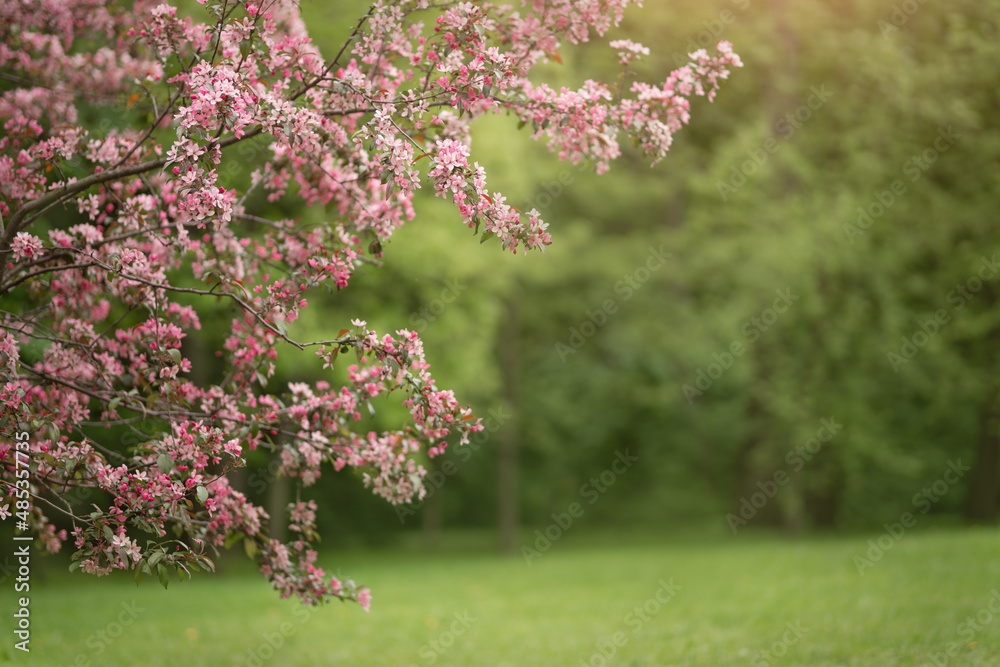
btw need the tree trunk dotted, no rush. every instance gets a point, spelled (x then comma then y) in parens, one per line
(507, 441)
(277, 504)
(984, 486)
(748, 474)
(432, 517)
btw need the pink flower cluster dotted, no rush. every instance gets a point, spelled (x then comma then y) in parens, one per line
(115, 232)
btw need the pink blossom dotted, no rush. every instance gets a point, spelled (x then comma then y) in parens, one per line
(365, 599)
(628, 50)
(160, 208)
(26, 246)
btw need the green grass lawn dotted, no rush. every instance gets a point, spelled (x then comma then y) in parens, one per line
(733, 600)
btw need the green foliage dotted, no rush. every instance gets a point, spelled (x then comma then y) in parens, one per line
(759, 196)
(735, 600)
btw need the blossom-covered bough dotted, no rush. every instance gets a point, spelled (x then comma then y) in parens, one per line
(125, 202)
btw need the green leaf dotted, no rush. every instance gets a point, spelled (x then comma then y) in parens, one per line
(156, 558)
(114, 402)
(487, 236)
(250, 547)
(164, 462)
(202, 494)
(175, 354)
(138, 575)
(163, 575)
(45, 456)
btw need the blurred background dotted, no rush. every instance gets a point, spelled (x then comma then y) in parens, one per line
(802, 295)
(789, 324)
(786, 328)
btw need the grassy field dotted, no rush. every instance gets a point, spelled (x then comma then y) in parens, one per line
(762, 601)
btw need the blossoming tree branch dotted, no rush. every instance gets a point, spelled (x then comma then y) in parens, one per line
(120, 214)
